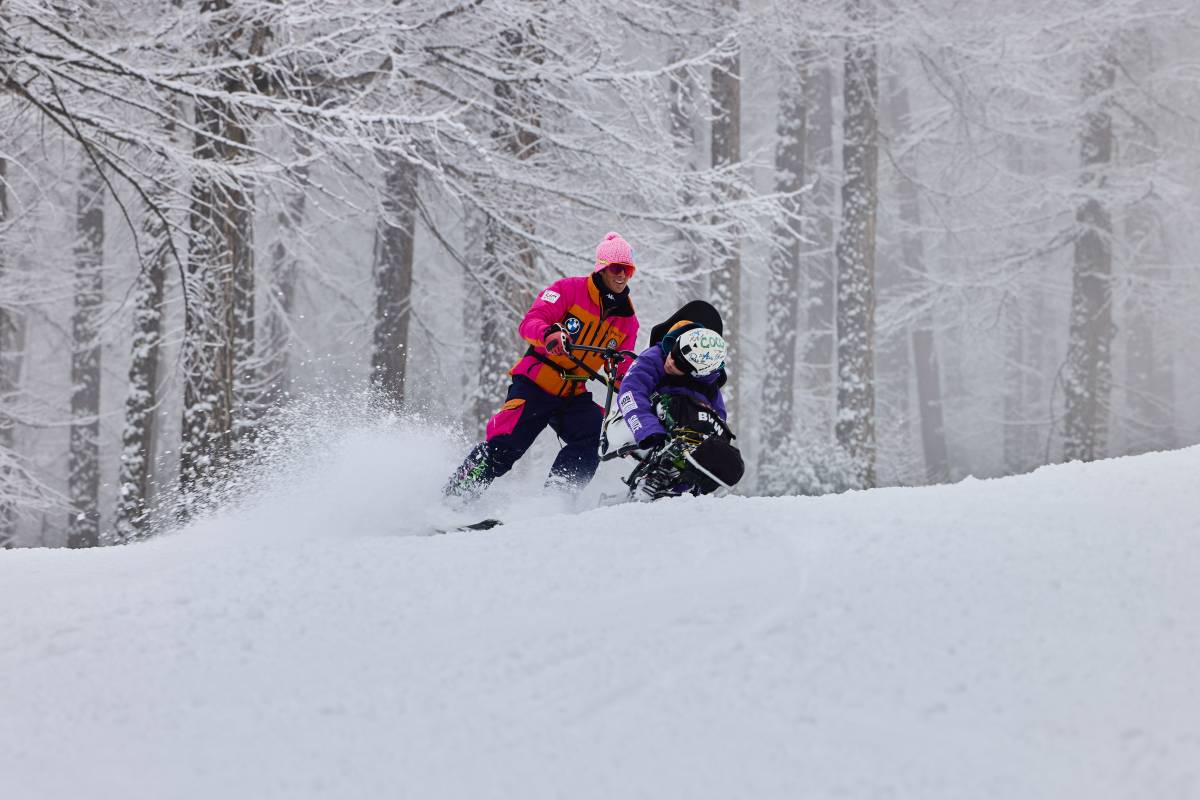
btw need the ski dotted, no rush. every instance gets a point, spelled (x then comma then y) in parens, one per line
(482, 525)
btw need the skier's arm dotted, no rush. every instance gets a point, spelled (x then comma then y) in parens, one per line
(634, 400)
(547, 309)
(719, 406)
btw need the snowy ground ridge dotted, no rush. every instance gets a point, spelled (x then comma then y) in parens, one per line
(1025, 637)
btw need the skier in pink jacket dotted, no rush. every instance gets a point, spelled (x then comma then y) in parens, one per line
(548, 383)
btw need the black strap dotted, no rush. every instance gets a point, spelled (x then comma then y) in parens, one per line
(566, 376)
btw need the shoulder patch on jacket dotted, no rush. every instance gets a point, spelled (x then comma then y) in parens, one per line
(551, 296)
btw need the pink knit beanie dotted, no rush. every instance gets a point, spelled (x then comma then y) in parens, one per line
(614, 250)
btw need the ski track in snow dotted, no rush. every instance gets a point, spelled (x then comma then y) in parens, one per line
(1032, 637)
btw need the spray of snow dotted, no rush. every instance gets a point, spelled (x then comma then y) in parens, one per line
(347, 465)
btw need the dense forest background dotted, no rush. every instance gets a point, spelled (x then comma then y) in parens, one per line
(949, 238)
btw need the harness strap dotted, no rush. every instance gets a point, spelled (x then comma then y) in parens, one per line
(562, 372)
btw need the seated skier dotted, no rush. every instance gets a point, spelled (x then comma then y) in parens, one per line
(671, 400)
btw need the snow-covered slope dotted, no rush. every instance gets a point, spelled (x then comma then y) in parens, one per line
(1033, 637)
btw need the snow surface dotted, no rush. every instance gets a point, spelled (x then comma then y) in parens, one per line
(1033, 637)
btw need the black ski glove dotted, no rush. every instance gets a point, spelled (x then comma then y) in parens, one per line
(654, 441)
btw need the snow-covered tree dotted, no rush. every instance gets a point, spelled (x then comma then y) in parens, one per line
(927, 372)
(726, 151)
(8, 359)
(393, 278)
(1144, 252)
(819, 299)
(1087, 379)
(142, 401)
(253, 149)
(856, 245)
(783, 288)
(83, 483)
(683, 91)
(283, 274)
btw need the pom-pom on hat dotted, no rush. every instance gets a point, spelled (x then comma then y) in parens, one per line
(614, 250)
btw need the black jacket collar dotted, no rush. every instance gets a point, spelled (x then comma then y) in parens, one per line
(613, 304)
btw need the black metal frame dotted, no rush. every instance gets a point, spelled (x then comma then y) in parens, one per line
(611, 357)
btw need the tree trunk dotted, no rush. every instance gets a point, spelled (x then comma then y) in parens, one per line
(248, 390)
(137, 453)
(235, 223)
(208, 351)
(508, 291)
(1149, 378)
(1016, 374)
(1023, 392)
(783, 290)
(855, 426)
(928, 373)
(1026, 397)
(477, 395)
(496, 338)
(222, 392)
(508, 272)
(8, 366)
(393, 278)
(281, 292)
(726, 277)
(1087, 377)
(83, 467)
(683, 91)
(818, 263)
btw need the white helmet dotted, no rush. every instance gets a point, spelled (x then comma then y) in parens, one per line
(699, 351)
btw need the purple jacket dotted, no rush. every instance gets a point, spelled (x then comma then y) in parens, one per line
(648, 376)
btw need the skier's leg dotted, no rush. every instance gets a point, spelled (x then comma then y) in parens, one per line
(578, 424)
(473, 475)
(510, 433)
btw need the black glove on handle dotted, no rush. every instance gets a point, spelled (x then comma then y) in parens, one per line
(653, 441)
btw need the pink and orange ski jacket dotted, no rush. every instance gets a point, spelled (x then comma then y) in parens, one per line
(577, 305)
